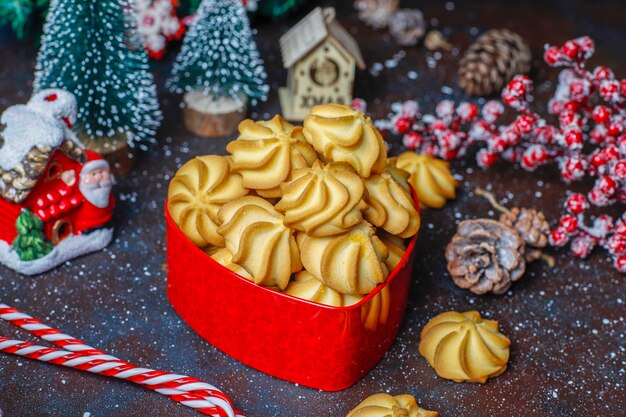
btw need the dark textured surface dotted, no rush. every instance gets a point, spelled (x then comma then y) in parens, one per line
(566, 324)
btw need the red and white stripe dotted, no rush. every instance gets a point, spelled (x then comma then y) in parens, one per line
(76, 354)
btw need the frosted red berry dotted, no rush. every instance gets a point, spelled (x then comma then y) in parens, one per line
(597, 159)
(524, 123)
(559, 237)
(602, 73)
(620, 263)
(577, 203)
(485, 159)
(620, 170)
(614, 128)
(403, 124)
(568, 223)
(552, 55)
(609, 90)
(574, 138)
(606, 185)
(601, 114)
(616, 244)
(581, 247)
(412, 140)
(467, 111)
(570, 49)
(587, 46)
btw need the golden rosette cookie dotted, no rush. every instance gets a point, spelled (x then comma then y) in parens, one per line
(223, 257)
(267, 152)
(385, 405)
(464, 347)
(390, 206)
(396, 248)
(350, 263)
(341, 133)
(323, 200)
(430, 177)
(259, 241)
(196, 193)
(307, 287)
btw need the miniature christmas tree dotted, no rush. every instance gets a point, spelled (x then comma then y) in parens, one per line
(30, 243)
(219, 55)
(92, 49)
(218, 68)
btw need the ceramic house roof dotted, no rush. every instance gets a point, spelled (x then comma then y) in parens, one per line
(28, 139)
(311, 31)
(29, 135)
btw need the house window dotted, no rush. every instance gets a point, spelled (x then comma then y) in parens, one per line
(54, 171)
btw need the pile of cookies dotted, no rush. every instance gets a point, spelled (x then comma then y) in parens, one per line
(317, 212)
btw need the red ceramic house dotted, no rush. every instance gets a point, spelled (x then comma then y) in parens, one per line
(44, 168)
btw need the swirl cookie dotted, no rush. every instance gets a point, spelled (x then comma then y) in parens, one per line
(259, 241)
(385, 405)
(196, 193)
(464, 347)
(430, 177)
(267, 152)
(323, 200)
(390, 206)
(350, 263)
(308, 287)
(341, 133)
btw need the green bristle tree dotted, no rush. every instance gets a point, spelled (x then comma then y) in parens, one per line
(92, 49)
(219, 55)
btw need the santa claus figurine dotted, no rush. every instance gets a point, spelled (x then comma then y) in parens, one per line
(55, 197)
(95, 184)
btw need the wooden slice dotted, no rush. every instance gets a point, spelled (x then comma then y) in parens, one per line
(209, 117)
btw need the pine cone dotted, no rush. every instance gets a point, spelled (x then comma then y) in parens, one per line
(485, 256)
(376, 13)
(531, 225)
(492, 61)
(407, 27)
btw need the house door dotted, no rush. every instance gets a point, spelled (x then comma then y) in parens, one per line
(61, 229)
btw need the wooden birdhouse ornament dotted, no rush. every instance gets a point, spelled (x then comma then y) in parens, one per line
(55, 196)
(321, 57)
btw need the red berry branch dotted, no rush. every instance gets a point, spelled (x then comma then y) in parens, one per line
(588, 139)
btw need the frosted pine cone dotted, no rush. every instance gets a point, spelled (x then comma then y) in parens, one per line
(376, 13)
(492, 61)
(407, 27)
(531, 225)
(485, 256)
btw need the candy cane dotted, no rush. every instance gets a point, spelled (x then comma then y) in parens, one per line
(75, 353)
(47, 333)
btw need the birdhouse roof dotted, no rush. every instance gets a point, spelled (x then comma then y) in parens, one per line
(311, 31)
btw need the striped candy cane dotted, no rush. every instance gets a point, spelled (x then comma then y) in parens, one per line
(76, 354)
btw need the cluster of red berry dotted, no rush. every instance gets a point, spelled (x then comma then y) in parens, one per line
(588, 140)
(604, 231)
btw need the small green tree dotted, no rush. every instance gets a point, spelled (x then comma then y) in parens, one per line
(219, 55)
(30, 242)
(93, 50)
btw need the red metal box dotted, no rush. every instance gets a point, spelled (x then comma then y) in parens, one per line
(323, 347)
